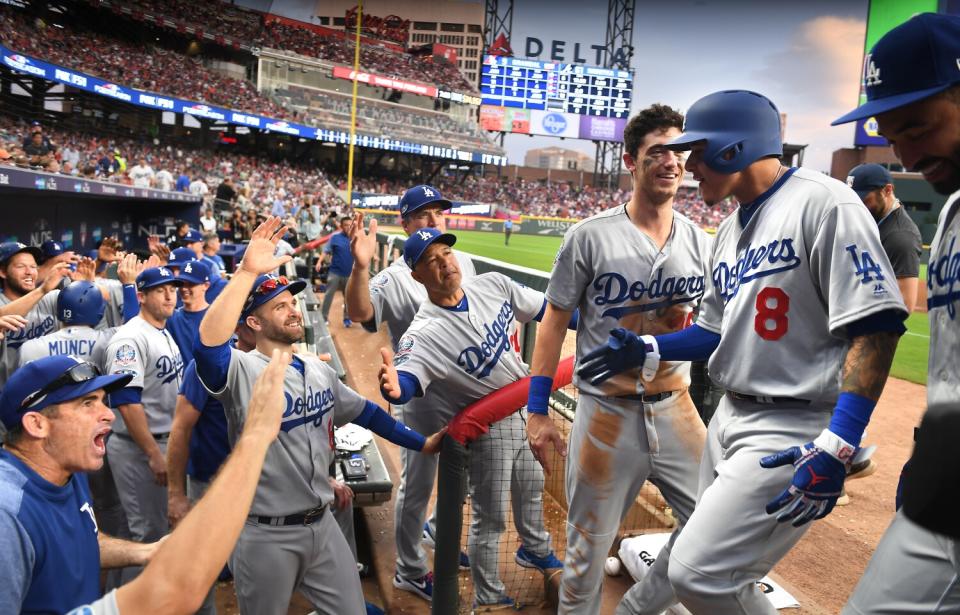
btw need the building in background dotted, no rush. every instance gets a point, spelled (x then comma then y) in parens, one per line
(559, 159)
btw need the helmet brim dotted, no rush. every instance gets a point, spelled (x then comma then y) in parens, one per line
(687, 140)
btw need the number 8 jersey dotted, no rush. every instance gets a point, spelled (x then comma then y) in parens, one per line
(807, 263)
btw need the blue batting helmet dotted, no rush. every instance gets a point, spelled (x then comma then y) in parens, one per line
(80, 303)
(738, 127)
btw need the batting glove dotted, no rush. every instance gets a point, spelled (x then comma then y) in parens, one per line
(624, 350)
(819, 470)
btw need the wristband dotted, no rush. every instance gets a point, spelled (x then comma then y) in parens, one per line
(651, 358)
(850, 417)
(539, 396)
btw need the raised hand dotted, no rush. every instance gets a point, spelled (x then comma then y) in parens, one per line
(86, 270)
(55, 275)
(259, 256)
(389, 380)
(363, 244)
(107, 252)
(12, 323)
(129, 268)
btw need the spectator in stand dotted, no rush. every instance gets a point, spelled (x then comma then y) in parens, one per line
(183, 182)
(211, 256)
(226, 194)
(236, 226)
(141, 174)
(70, 155)
(198, 187)
(208, 224)
(37, 128)
(309, 226)
(39, 153)
(279, 209)
(337, 253)
(164, 179)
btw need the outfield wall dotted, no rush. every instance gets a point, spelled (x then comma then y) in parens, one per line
(526, 225)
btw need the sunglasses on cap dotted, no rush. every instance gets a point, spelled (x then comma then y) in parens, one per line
(78, 374)
(271, 284)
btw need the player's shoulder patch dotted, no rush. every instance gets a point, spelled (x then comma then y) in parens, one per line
(406, 344)
(125, 354)
(379, 282)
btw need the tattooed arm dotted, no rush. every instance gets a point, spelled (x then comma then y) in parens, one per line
(867, 364)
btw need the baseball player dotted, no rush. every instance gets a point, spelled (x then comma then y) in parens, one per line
(393, 297)
(458, 350)
(917, 108)
(640, 265)
(800, 320)
(290, 542)
(145, 349)
(194, 279)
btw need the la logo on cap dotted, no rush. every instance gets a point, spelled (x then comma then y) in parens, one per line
(427, 191)
(424, 235)
(871, 76)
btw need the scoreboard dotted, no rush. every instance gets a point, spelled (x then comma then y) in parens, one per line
(554, 86)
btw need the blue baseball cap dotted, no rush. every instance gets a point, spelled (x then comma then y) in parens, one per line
(866, 178)
(420, 240)
(52, 380)
(265, 288)
(51, 248)
(192, 236)
(195, 272)
(156, 276)
(419, 197)
(915, 60)
(10, 248)
(181, 256)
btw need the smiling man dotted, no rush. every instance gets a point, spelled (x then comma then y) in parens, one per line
(51, 551)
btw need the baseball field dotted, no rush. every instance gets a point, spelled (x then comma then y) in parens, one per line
(537, 252)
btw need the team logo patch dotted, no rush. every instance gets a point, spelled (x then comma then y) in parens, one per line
(126, 355)
(405, 344)
(380, 281)
(125, 372)
(866, 268)
(400, 360)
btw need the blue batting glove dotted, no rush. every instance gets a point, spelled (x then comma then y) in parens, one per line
(624, 350)
(817, 479)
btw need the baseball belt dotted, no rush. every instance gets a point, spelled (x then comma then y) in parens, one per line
(304, 518)
(764, 399)
(650, 399)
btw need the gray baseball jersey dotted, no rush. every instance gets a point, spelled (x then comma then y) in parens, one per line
(74, 341)
(41, 320)
(152, 357)
(808, 263)
(396, 296)
(943, 297)
(466, 353)
(113, 314)
(295, 473)
(619, 277)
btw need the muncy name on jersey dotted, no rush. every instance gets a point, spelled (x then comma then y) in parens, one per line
(615, 289)
(754, 263)
(309, 409)
(15, 339)
(942, 274)
(480, 360)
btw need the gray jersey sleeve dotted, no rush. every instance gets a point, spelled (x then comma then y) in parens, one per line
(126, 355)
(571, 272)
(418, 355)
(349, 403)
(527, 302)
(710, 316)
(851, 267)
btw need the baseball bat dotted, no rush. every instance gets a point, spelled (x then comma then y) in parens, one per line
(475, 420)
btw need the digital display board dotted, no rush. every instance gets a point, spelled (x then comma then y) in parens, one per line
(554, 86)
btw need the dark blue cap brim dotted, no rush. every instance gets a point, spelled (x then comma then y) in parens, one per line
(174, 281)
(108, 383)
(37, 253)
(294, 287)
(882, 105)
(188, 278)
(443, 202)
(447, 239)
(686, 141)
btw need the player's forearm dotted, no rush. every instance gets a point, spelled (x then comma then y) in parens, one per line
(908, 290)
(550, 335)
(118, 553)
(867, 364)
(359, 305)
(135, 418)
(183, 569)
(22, 305)
(178, 446)
(220, 321)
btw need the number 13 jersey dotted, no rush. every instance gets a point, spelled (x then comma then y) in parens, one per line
(785, 285)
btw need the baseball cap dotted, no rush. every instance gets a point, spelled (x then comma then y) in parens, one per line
(52, 380)
(192, 236)
(156, 276)
(10, 248)
(915, 60)
(195, 272)
(181, 256)
(265, 288)
(420, 240)
(51, 248)
(419, 197)
(866, 178)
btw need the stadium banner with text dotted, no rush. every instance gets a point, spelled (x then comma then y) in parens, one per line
(527, 225)
(551, 123)
(150, 100)
(392, 201)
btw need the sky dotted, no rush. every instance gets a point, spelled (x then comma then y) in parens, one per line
(805, 56)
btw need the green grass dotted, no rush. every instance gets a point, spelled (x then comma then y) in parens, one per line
(538, 251)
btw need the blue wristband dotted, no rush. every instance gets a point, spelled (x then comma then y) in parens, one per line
(850, 417)
(539, 395)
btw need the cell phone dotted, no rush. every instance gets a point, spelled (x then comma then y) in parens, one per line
(354, 468)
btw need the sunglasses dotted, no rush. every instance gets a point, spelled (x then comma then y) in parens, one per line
(271, 284)
(78, 374)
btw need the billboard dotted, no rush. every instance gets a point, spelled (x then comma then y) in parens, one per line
(551, 124)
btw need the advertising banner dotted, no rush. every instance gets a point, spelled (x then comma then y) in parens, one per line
(554, 124)
(602, 128)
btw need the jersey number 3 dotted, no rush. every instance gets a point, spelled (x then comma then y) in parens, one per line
(770, 322)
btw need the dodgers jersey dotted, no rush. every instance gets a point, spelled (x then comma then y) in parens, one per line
(42, 319)
(396, 296)
(618, 277)
(152, 357)
(113, 314)
(295, 473)
(784, 287)
(943, 301)
(461, 355)
(76, 341)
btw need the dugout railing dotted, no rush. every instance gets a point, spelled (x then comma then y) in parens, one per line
(453, 592)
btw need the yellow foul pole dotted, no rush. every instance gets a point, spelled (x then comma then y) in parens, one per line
(353, 103)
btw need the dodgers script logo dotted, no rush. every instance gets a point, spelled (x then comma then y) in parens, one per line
(309, 409)
(754, 263)
(615, 289)
(943, 273)
(169, 369)
(15, 339)
(480, 360)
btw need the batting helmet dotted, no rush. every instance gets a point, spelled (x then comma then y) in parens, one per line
(738, 127)
(80, 303)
